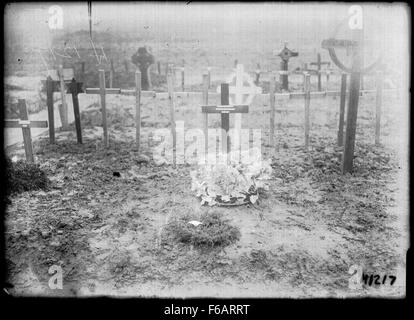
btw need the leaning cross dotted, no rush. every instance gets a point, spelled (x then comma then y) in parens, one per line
(225, 109)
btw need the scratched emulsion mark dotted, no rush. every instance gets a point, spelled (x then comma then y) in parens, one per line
(69, 53)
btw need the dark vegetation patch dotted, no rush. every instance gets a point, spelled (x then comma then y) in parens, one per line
(214, 230)
(23, 176)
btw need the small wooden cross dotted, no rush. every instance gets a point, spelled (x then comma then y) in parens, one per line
(319, 64)
(25, 124)
(225, 109)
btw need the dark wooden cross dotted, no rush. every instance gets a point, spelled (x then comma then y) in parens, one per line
(25, 124)
(225, 109)
(319, 63)
(285, 55)
(51, 86)
(355, 70)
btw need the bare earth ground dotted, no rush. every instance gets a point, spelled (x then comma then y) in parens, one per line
(299, 240)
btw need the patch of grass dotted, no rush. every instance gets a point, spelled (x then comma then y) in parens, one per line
(214, 230)
(23, 176)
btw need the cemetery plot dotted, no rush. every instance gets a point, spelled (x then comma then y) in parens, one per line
(114, 192)
(106, 216)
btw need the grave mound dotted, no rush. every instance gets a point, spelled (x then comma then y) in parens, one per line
(209, 230)
(23, 176)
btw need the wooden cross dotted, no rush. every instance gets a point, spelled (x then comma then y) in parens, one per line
(285, 55)
(51, 86)
(25, 124)
(319, 64)
(102, 91)
(225, 109)
(239, 92)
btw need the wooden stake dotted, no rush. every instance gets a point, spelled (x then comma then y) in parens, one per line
(74, 92)
(340, 141)
(103, 106)
(272, 111)
(319, 72)
(111, 75)
(209, 76)
(83, 71)
(257, 80)
(149, 78)
(378, 107)
(182, 79)
(126, 66)
(63, 111)
(351, 120)
(307, 104)
(172, 113)
(159, 67)
(27, 138)
(225, 119)
(205, 115)
(50, 113)
(138, 108)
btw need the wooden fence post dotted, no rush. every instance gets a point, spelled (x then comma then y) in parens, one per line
(83, 72)
(138, 108)
(205, 115)
(172, 112)
(225, 120)
(378, 107)
(340, 141)
(257, 79)
(63, 111)
(103, 105)
(50, 113)
(111, 74)
(27, 138)
(351, 120)
(75, 101)
(159, 67)
(272, 112)
(182, 79)
(209, 76)
(307, 104)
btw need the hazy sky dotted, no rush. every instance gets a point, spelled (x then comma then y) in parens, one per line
(28, 22)
(179, 17)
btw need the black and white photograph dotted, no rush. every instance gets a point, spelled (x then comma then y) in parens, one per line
(206, 150)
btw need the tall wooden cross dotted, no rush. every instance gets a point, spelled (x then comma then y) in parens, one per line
(240, 95)
(225, 109)
(356, 70)
(319, 63)
(25, 124)
(103, 91)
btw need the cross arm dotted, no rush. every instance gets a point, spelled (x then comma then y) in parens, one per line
(22, 123)
(98, 91)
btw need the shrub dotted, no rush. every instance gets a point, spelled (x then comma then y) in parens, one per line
(23, 176)
(214, 231)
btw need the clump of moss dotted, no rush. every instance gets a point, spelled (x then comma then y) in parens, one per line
(23, 176)
(214, 230)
